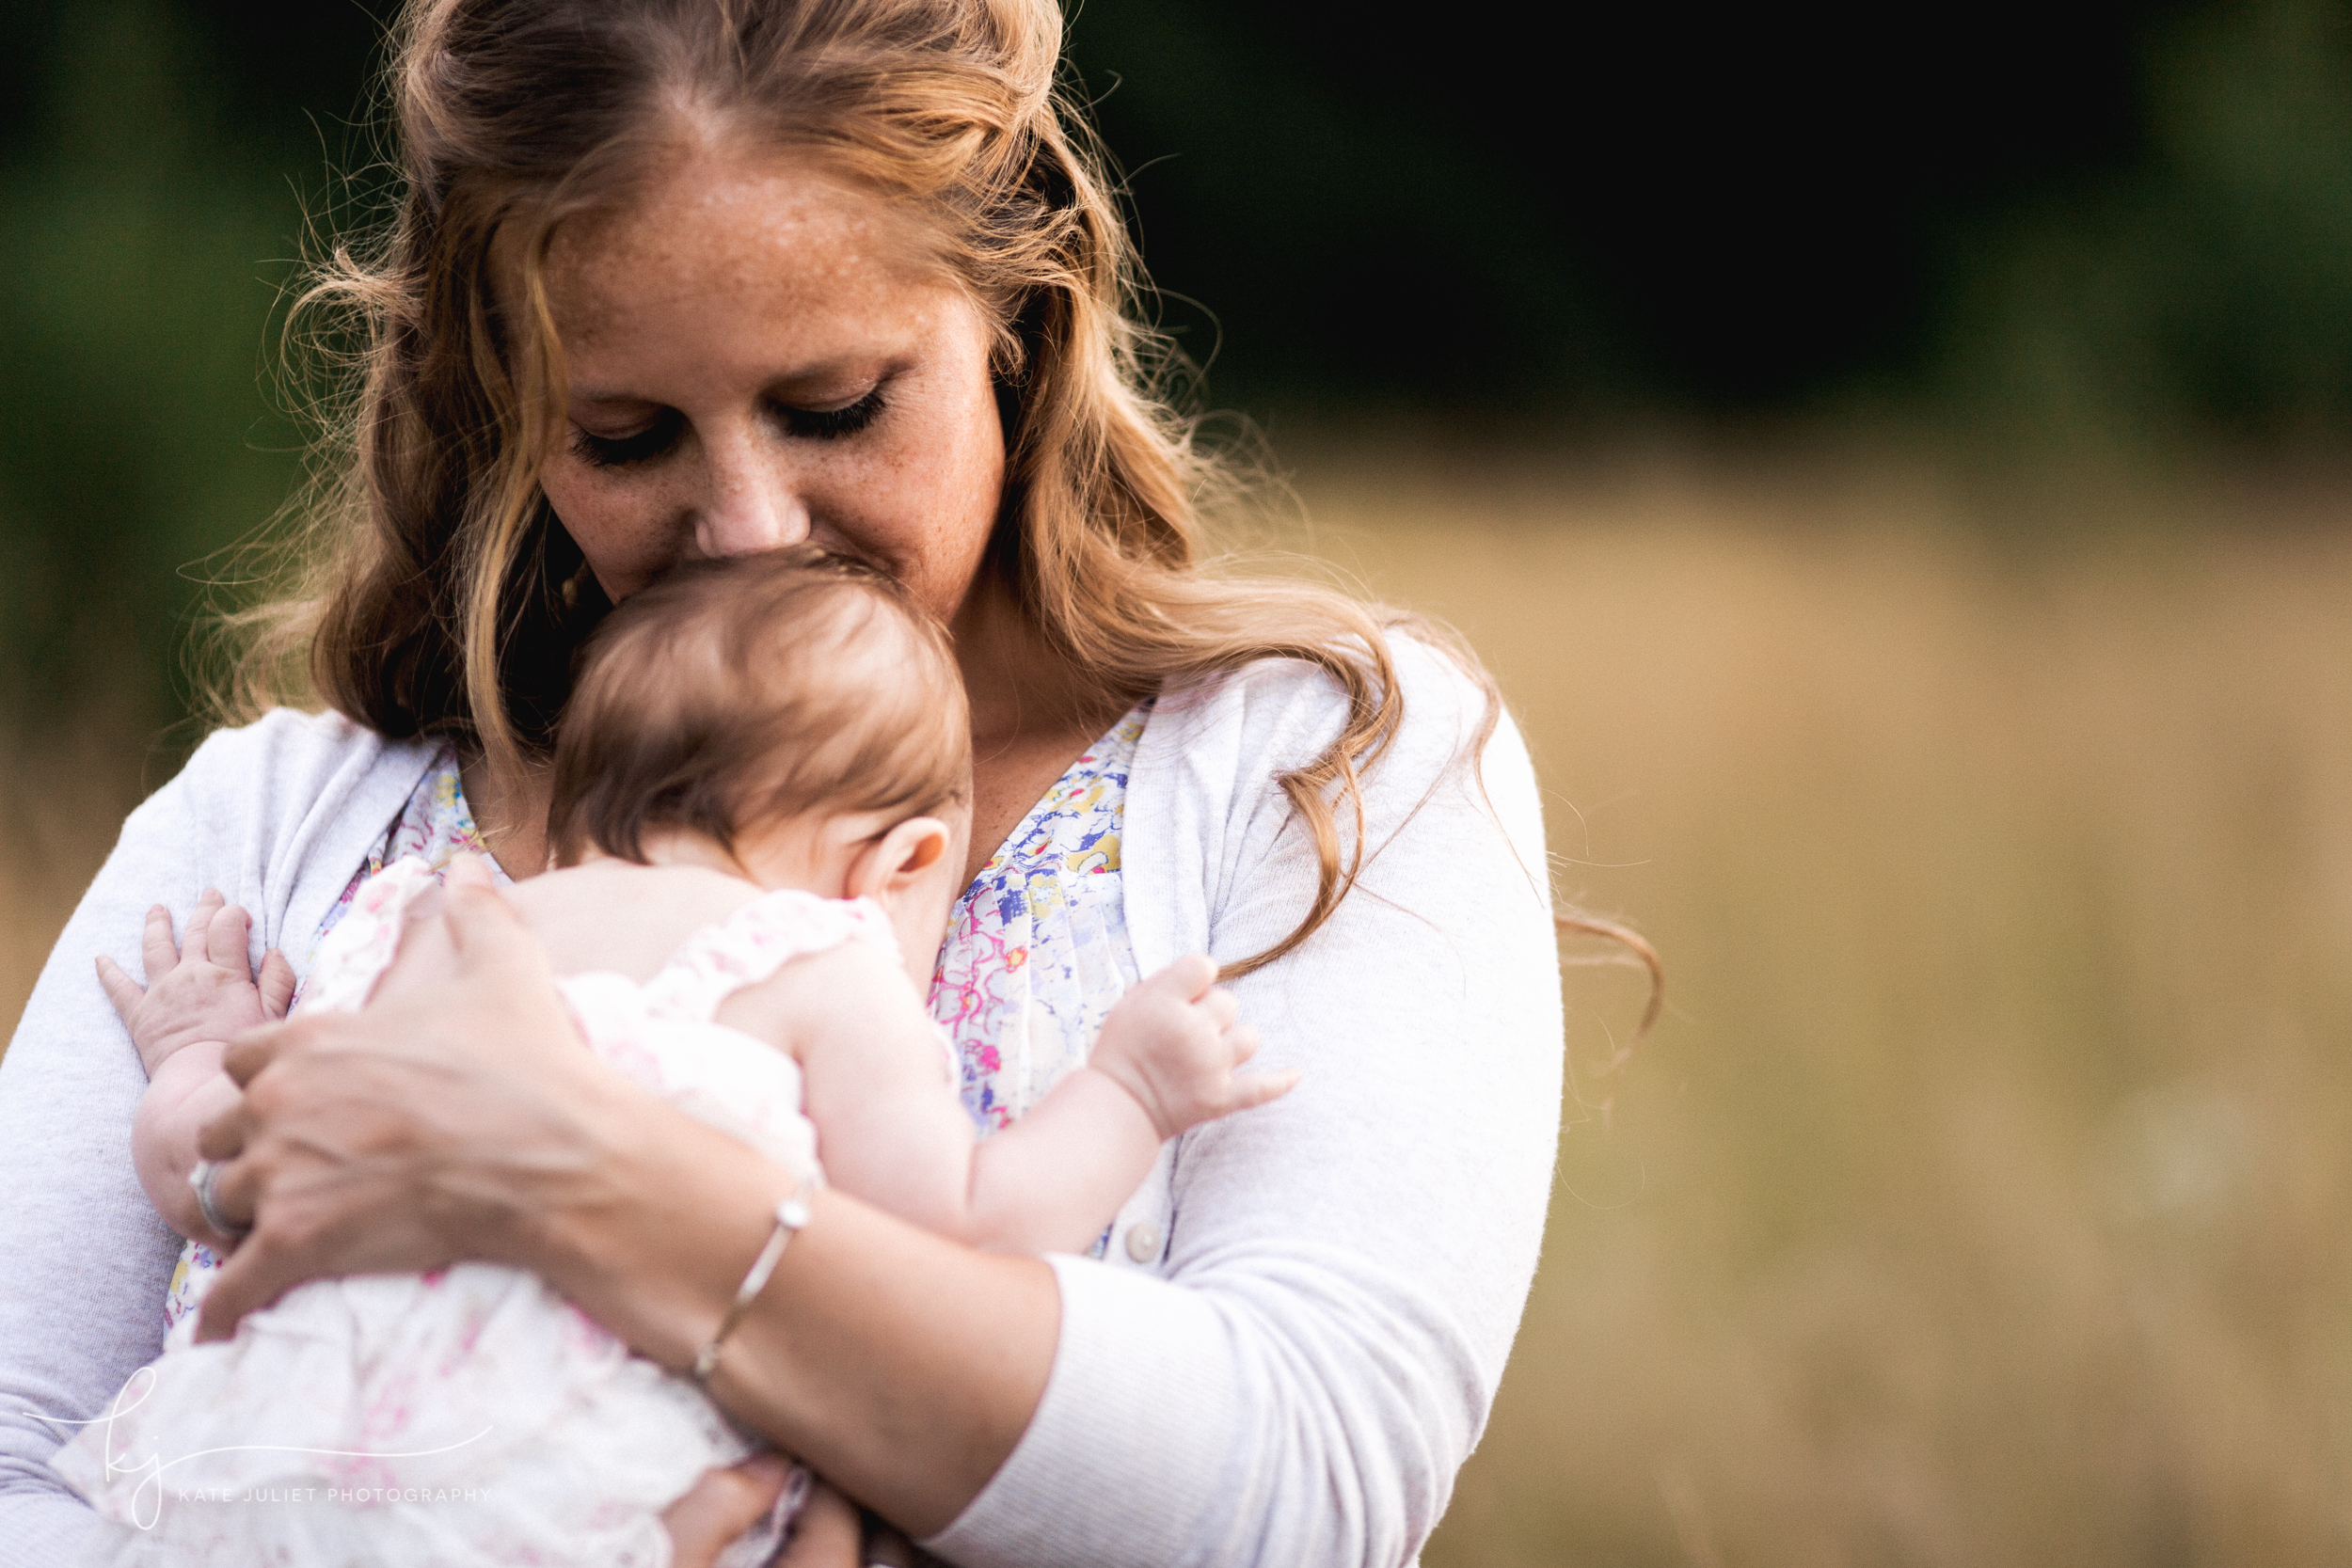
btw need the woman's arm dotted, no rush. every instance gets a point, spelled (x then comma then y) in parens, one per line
(88, 1260)
(1343, 1271)
(277, 815)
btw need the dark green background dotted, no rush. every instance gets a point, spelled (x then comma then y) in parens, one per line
(2018, 229)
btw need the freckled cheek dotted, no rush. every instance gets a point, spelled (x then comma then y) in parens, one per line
(616, 527)
(951, 533)
(919, 507)
(938, 586)
(908, 543)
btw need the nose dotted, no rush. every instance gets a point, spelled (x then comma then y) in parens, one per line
(752, 502)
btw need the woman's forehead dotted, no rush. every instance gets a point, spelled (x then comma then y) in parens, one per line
(735, 239)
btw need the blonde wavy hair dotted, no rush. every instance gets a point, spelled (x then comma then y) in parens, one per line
(442, 594)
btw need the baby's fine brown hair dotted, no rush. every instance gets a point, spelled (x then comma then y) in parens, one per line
(732, 695)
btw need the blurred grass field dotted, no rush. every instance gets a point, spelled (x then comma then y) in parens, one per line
(1985, 1196)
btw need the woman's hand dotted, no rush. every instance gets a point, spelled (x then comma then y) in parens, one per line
(418, 1133)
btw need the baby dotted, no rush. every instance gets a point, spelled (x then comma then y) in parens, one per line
(759, 806)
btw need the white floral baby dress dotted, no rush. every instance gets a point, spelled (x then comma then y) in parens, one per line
(470, 1416)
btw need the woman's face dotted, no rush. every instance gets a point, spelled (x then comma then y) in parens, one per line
(757, 355)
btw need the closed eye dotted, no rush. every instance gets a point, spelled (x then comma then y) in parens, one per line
(615, 452)
(831, 424)
(821, 424)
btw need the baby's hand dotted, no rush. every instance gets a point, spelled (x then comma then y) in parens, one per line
(1172, 1043)
(201, 988)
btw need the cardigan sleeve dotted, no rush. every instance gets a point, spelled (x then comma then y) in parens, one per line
(265, 814)
(1298, 1380)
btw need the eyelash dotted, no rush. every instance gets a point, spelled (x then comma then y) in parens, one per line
(815, 424)
(831, 424)
(619, 452)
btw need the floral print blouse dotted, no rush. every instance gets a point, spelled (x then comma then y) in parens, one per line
(1037, 951)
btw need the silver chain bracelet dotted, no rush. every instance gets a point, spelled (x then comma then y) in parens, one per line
(791, 1218)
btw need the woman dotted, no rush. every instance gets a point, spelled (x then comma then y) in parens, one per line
(689, 278)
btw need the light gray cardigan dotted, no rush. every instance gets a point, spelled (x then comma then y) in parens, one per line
(1298, 1330)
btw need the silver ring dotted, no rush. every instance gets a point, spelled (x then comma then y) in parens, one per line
(203, 1178)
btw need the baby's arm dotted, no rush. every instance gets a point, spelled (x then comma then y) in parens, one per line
(891, 1131)
(199, 993)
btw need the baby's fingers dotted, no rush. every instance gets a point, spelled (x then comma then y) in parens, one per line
(1221, 1006)
(120, 990)
(226, 938)
(1188, 976)
(156, 948)
(1253, 1090)
(1242, 1040)
(192, 941)
(722, 1505)
(277, 984)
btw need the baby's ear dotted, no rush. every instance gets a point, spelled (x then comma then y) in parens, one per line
(920, 844)
(904, 854)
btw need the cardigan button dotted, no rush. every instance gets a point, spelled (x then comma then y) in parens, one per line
(1143, 1242)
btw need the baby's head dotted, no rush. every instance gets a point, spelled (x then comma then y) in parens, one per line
(792, 709)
